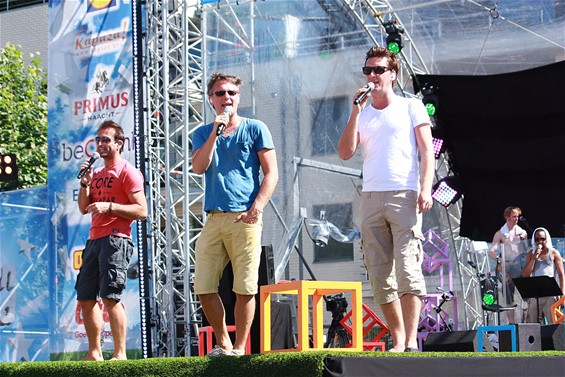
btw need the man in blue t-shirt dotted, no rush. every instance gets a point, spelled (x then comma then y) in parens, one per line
(230, 152)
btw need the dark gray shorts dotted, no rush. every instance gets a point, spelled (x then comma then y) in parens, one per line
(104, 267)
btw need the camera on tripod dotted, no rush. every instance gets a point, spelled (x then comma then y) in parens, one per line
(336, 304)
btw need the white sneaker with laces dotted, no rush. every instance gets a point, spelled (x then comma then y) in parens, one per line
(237, 353)
(218, 351)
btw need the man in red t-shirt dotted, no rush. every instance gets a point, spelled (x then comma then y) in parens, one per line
(114, 196)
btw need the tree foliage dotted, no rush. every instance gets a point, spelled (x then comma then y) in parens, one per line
(23, 116)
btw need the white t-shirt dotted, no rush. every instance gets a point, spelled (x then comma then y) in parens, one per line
(388, 143)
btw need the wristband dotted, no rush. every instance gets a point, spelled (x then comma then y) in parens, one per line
(83, 185)
(110, 208)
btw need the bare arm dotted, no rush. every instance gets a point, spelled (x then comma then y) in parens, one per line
(268, 161)
(530, 263)
(83, 199)
(202, 157)
(135, 210)
(427, 165)
(84, 192)
(349, 139)
(496, 240)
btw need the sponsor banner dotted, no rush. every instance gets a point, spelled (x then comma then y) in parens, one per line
(24, 284)
(90, 81)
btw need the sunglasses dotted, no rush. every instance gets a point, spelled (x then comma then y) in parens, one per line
(379, 70)
(103, 139)
(221, 93)
(540, 239)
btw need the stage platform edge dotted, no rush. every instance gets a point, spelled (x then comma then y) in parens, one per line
(526, 366)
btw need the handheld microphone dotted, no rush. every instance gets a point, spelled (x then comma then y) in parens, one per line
(82, 172)
(370, 86)
(229, 111)
(539, 249)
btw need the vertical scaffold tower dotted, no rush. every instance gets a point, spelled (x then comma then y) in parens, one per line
(174, 91)
(173, 98)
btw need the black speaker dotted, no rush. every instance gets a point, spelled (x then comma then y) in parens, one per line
(267, 267)
(553, 337)
(528, 338)
(455, 341)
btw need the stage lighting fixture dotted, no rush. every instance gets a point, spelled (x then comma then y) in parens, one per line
(393, 39)
(488, 291)
(8, 167)
(321, 231)
(439, 141)
(430, 98)
(447, 191)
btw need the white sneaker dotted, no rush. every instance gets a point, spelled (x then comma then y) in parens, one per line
(237, 353)
(218, 351)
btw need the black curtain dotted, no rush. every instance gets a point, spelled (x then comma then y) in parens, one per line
(506, 136)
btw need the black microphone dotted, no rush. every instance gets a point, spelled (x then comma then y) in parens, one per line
(370, 86)
(82, 172)
(227, 110)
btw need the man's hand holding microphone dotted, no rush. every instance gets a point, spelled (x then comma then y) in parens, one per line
(224, 119)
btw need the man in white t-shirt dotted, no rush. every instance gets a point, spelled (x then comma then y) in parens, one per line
(391, 130)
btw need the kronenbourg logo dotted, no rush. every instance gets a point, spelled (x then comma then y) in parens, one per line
(96, 5)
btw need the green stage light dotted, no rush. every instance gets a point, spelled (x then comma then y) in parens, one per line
(430, 98)
(431, 109)
(488, 299)
(488, 291)
(394, 39)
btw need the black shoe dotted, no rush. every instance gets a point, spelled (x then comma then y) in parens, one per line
(410, 349)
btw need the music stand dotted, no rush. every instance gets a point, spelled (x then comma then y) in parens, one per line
(537, 286)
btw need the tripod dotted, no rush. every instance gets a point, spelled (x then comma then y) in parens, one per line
(337, 336)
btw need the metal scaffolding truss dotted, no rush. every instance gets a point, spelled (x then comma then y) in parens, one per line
(173, 99)
(174, 93)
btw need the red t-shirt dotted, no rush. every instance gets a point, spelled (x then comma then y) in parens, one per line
(113, 184)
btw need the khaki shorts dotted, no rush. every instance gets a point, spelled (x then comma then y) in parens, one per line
(222, 241)
(391, 235)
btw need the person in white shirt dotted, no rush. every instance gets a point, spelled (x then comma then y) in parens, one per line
(391, 130)
(509, 248)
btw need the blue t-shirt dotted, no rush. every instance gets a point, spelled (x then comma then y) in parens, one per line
(232, 179)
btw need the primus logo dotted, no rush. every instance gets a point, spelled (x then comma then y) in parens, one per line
(96, 104)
